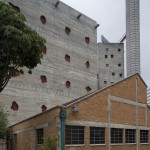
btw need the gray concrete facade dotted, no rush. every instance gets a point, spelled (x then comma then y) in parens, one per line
(110, 63)
(86, 70)
(133, 36)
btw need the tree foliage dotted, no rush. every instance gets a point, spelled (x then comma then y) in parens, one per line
(49, 143)
(3, 123)
(20, 46)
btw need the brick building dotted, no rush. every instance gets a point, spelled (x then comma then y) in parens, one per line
(113, 118)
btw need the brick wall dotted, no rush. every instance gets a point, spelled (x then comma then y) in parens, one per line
(115, 107)
(26, 130)
(106, 108)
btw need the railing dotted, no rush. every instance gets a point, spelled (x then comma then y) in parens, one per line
(4, 145)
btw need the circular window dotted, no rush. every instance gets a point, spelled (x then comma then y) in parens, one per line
(44, 108)
(88, 89)
(44, 50)
(87, 64)
(68, 84)
(43, 79)
(67, 58)
(87, 40)
(16, 8)
(67, 30)
(14, 106)
(43, 19)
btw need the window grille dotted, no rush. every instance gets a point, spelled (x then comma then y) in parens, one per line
(116, 136)
(40, 136)
(74, 135)
(97, 135)
(144, 136)
(130, 136)
(15, 139)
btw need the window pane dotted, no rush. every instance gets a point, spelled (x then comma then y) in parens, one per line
(144, 136)
(97, 135)
(39, 136)
(130, 136)
(116, 136)
(74, 135)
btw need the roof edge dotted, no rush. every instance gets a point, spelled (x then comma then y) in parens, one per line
(95, 92)
(35, 116)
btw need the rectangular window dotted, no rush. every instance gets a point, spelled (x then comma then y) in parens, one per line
(15, 139)
(97, 135)
(74, 135)
(130, 136)
(120, 75)
(40, 136)
(107, 49)
(116, 136)
(144, 136)
(105, 82)
(112, 56)
(107, 65)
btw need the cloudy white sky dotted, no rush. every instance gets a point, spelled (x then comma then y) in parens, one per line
(110, 14)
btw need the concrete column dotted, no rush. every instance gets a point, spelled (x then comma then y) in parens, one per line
(133, 36)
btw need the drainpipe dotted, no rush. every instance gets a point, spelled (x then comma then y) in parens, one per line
(62, 118)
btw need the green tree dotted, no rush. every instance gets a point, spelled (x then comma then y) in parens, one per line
(20, 46)
(49, 143)
(3, 123)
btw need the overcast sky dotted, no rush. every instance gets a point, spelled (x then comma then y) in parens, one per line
(110, 14)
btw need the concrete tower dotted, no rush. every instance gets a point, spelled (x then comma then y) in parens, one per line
(133, 36)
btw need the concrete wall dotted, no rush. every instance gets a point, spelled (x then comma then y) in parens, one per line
(110, 63)
(28, 91)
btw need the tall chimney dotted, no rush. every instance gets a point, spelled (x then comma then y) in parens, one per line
(133, 36)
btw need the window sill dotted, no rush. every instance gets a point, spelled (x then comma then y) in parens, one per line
(117, 144)
(97, 144)
(79, 145)
(130, 143)
(39, 144)
(144, 143)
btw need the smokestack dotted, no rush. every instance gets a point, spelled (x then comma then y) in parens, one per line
(133, 36)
